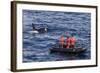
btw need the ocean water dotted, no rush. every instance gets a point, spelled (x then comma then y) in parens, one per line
(36, 47)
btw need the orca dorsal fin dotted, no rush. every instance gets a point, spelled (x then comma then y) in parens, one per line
(33, 26)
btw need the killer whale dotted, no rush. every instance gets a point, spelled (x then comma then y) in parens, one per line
(39, 30)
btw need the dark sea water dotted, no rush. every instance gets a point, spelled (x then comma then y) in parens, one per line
(36, 47)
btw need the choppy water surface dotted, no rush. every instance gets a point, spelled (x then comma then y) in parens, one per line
(36, 47)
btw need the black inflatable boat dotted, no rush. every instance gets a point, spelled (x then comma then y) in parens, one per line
(68, 50)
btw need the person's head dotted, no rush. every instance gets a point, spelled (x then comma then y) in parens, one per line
(67, 36)
(72, 35)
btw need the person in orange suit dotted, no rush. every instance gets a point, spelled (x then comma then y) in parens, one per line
(73, 41)
(68, 42)
(61, 41)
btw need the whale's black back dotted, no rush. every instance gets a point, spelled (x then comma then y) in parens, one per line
(40, 30)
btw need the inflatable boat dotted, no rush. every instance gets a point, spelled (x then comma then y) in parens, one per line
(68, 50)
(58, 48)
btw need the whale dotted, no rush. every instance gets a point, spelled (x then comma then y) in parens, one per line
(39, 30)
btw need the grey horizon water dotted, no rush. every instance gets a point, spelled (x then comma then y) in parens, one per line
(36, 47)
